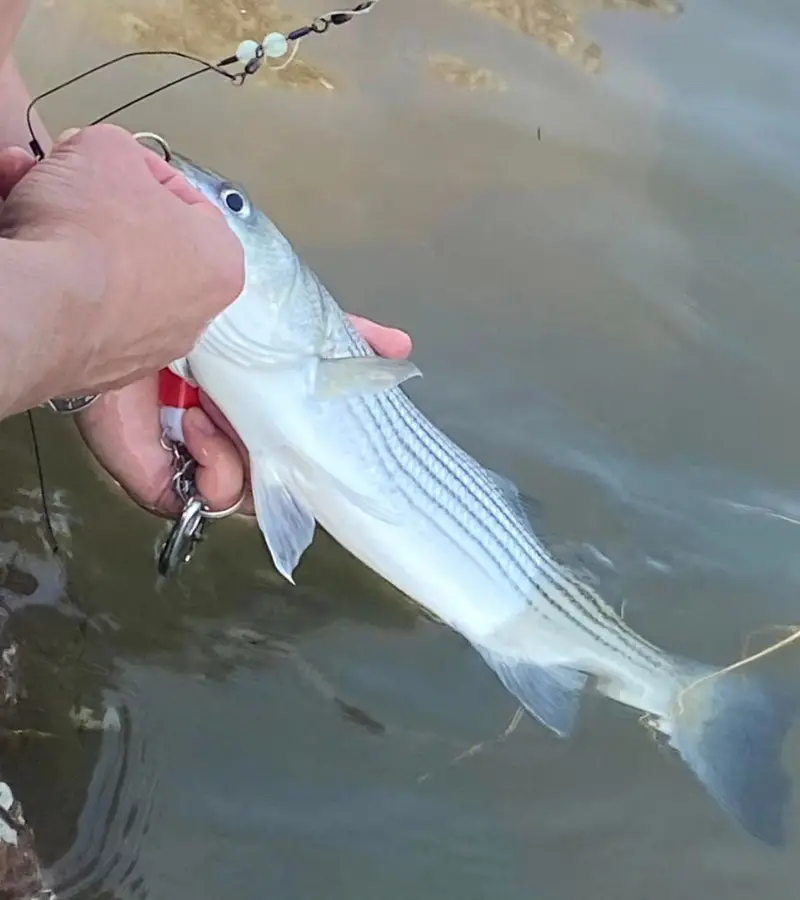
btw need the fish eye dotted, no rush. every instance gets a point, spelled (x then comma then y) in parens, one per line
(234, 200)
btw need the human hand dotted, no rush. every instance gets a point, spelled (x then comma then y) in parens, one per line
(123, 430)
(142, 261)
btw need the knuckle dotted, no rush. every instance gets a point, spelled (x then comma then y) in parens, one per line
(107, 131)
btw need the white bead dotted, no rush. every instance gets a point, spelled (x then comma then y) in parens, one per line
(275, 45)
(247, 51)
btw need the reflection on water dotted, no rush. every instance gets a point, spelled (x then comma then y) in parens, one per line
(460, 73)
(211, 28)
(559, 23)
(607, 314)
(120, 800)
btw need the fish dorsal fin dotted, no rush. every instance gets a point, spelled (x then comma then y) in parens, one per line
(525, 507)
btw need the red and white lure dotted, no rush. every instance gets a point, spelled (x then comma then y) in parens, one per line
(175, 396)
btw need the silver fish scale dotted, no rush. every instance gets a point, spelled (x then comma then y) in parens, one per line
(432, 472)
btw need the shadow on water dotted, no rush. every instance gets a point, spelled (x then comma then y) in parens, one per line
(536, 190)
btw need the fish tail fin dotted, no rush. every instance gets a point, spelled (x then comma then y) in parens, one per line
(729, 727)
(551, 693)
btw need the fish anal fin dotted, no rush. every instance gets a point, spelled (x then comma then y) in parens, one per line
(550, 693)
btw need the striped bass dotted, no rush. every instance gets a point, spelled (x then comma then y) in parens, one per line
(333, 439)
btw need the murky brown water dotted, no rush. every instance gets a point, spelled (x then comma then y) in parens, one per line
(587, 215)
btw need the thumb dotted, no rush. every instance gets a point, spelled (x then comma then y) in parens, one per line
(15, 163)
(221, 473)
(390, 342)
(172, 179)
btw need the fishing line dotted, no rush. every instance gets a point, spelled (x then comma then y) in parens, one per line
(55, 546)
(251, 54)
(37, 456)
(793, 636)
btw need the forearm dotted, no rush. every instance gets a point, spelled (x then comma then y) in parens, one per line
(12, 13)
(13, 93)
(29, 293)
(14, 96)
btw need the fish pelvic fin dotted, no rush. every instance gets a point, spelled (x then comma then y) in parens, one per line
(286, 524)
(283, 496)
(729, 728)
(550, 693)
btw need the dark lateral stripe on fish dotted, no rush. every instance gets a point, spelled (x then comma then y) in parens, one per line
(597, 613)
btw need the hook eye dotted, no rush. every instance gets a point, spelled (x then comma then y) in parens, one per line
(143, 136)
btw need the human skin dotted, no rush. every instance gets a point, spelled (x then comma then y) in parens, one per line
(122, 428)
(108, 298)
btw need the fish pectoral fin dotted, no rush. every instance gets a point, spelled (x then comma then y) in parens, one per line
(550, 693)
(360, 375)
(285, 522)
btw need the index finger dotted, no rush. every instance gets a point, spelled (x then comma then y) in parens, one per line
(159, 168)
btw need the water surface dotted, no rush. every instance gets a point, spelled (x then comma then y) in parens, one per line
(586, 214)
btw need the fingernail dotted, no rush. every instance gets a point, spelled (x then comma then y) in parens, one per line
(67, 134)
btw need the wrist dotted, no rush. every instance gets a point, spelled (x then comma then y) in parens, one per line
(45, 286)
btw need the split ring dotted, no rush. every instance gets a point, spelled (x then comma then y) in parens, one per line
(224, 513)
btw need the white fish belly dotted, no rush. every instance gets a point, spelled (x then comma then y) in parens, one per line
(421, 562)
(434, 544)
(452, 542)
